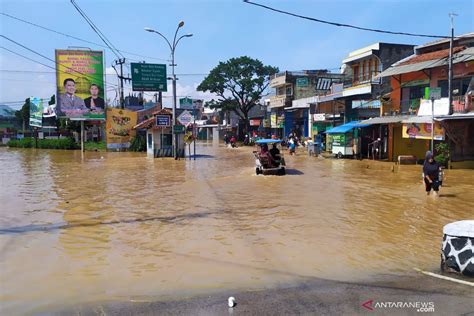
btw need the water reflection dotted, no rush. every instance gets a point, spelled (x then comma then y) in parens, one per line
(116, 226)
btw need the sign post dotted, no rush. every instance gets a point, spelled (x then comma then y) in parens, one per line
(435, 94)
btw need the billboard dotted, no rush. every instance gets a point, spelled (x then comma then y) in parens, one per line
(36, 112)
(119, 127)
(80, 84)
(422, 131)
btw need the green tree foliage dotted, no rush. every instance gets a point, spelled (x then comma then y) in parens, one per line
(23, 115)
(138, 143)
(239, 84)
(442, 153)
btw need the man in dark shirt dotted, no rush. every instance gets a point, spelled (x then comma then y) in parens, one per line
(275, 153)
(94, 102)
(431, 174)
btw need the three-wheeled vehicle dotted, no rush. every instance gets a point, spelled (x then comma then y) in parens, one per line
(269, 162)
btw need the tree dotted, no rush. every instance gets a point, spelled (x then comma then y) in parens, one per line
(239, 84)
(23, 115)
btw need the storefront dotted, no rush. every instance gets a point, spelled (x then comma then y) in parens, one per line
(343, 140)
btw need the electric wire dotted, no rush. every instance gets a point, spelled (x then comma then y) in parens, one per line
(343, 24)
(77, 38)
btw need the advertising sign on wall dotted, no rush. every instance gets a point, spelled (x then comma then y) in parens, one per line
(422, 131)
(273, 120)
(80, 84)
(254, 122)
(119, 128)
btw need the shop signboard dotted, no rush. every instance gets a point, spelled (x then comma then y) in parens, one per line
(319, 117)
(254, 122)
(163, 121)
(266, 123)
(273, 120)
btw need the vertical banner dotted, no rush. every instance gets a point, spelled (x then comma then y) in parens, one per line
(36, 112)
(119, 127)
(80, 84)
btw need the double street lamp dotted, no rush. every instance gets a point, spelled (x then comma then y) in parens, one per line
(173, 78)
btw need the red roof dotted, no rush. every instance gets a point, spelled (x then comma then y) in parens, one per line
(444, 53)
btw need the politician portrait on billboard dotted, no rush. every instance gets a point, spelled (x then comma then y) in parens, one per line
(80, 84)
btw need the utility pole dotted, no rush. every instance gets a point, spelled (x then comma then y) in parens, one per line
(120, 62)
(450, 69)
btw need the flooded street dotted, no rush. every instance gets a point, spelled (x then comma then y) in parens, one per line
(121, 227)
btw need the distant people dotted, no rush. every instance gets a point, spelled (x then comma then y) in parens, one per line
(292, 146)
(226, 139)
(246, 140)
(68, 103)
(431, 170)
(94, 102)
(233, 142)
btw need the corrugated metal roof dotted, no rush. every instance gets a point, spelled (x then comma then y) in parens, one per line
(385, 120)
(417, 119)
(401, 68)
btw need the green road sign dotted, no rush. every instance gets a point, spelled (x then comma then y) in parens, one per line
(435, 93)
(148, 77)
(302, 82)
(178, 129)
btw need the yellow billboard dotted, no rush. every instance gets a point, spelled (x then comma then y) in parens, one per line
(119, 127)
(422, 131)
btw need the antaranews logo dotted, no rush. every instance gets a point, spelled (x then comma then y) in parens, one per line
(421, 307)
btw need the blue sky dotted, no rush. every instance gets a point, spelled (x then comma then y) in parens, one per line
(222, 29)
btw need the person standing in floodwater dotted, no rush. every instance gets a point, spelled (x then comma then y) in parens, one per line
(431, 171)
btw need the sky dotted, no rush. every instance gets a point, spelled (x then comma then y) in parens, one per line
(221, 29)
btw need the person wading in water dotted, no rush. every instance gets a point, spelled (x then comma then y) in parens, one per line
(431, 171)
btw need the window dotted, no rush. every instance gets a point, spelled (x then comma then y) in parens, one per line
(459, 87)
(355, 70)
(289, 90)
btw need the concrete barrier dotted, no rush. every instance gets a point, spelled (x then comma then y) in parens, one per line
(457, 254)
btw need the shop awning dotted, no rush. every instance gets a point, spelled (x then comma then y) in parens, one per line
(341, 129)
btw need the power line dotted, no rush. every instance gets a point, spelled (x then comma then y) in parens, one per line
(52, 72)
(342, 24)
(36, 71)
(48, 66)
(76, 38)
(97, 31)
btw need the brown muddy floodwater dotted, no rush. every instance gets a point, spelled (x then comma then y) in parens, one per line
(124, 227)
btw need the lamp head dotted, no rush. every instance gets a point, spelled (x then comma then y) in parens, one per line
(181, 24)
(189, 35)
(149, 29)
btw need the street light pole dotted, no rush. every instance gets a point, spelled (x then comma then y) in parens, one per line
(450, 66)
(173, 78)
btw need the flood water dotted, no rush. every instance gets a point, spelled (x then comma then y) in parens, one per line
(121, 227)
